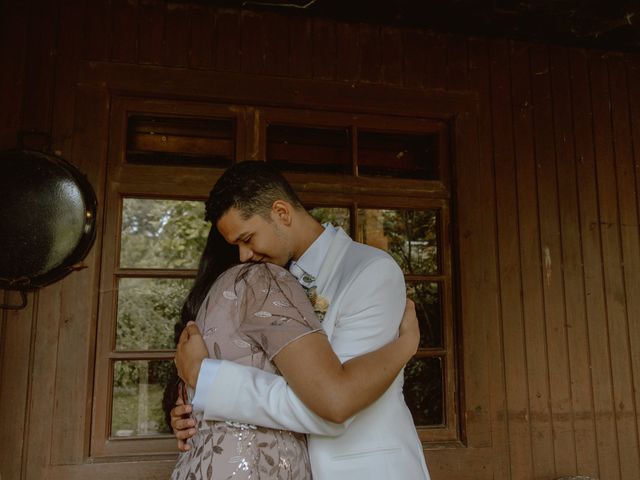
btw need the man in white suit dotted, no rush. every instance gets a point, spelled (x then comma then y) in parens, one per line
(365, 292)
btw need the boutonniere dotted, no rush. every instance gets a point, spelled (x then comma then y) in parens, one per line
(320, 303)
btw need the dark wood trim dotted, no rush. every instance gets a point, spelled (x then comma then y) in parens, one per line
(167, 83)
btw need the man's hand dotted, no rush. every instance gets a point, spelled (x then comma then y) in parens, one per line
(190, 352)
(409, 327)
(183, 425)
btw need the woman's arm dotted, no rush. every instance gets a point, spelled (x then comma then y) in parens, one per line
(336, 391)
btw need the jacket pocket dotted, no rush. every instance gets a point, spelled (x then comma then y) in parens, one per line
(366, 453)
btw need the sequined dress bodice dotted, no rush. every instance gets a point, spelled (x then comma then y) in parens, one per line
(248, 316)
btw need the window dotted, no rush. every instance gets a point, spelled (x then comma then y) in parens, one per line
(160, 244)
(389, 188)
(384, 180)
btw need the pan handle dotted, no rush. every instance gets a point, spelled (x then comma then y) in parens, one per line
(20, 306)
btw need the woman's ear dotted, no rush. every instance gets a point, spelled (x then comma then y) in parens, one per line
(282, 211)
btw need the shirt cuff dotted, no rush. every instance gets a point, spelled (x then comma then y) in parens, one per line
(208, 372)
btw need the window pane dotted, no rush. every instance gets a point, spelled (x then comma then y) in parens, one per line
(427, 299)
(410, 236)
(398, 155)
(180, 141)
(307, 149)
(138, 387)
(338, 217)
(148, 308)
(162, 233)
(423, 390)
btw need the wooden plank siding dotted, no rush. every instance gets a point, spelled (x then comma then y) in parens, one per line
(556, 369)
(546, 212)
(513, 346)
(633, 82)
(577, 341)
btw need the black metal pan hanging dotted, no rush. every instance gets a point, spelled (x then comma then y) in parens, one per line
(47, 219)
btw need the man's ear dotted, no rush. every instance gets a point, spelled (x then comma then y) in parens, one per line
(282, 211)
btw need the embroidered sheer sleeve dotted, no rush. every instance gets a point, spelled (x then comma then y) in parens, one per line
(274, 309)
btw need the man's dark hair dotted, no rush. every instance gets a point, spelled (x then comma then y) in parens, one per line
(251, 187)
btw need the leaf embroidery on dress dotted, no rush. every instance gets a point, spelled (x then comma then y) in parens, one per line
(280, 303)
(280, 321)
(217, 449)
(269, 459)
(229, 295)
(209, 331)
(263, 314)
(241, 343)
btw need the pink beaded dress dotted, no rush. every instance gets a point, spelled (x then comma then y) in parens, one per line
(250, 313)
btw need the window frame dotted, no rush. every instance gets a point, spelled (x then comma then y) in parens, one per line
(194, 183)
(141, 181)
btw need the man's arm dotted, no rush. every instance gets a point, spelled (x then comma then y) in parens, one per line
(367, 321)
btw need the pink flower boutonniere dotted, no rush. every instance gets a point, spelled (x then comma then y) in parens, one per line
(320, 303)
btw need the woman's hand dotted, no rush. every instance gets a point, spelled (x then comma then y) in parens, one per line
(183, 425)
(410, 329)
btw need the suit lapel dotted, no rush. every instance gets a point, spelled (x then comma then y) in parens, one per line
(329, 276)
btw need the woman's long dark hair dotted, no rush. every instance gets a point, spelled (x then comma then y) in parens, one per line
(217, 257)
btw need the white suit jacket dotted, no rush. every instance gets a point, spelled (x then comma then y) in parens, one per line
(366, 293)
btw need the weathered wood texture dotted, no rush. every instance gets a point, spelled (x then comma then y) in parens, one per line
(546, 207)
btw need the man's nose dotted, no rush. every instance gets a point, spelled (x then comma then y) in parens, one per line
(245, 254)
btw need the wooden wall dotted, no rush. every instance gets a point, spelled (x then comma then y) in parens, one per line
(549, 240)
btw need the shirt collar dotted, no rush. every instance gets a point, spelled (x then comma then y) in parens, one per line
(313, 257)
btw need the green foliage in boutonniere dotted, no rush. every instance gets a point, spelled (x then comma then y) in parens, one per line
(320, 304)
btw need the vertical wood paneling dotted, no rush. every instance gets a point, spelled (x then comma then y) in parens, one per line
(253, 42)
(20, 329)
(323, 34)
(627, 218)
(42, 381)
(13, 47)
(486, 304)
(560, 409)
(300, 47)
(392, 50)
(457, 63)
(97, 30)
(530, 264)
(177, 38)
(479, 302)
(69, 53)
(40, 67)
(71, 414)
(607, 443)
(508, 237)
(572, 270)
(151, 32)
(435, 52)
(276, 54)
(348, 55)
(633, 83)
(228, 50)
(370, 53)
(614, 287)
(124, 32)
(15, 363)
(414, 63)
(202, 21)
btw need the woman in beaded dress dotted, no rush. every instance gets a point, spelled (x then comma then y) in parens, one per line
(248, 314)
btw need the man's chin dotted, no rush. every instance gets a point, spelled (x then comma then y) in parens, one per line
(280, 263)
